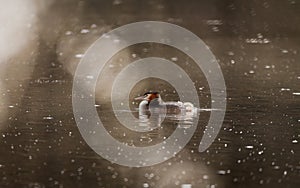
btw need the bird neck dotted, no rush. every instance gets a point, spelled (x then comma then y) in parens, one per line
(143, 107)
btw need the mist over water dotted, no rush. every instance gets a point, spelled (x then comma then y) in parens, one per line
(257, 46)
(18, 28)
(18, 47)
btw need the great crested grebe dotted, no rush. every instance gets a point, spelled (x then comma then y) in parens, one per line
(152, 100)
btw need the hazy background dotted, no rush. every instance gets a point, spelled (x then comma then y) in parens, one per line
(256, 42)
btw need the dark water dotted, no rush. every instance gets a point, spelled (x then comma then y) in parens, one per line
(257, 44)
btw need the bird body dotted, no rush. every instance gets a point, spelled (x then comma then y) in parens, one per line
(151, 101)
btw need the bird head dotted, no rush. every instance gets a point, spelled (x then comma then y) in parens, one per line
(149, 96)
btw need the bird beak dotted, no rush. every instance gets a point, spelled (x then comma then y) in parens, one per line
(139, 98)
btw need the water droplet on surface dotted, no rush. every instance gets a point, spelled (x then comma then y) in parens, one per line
(221, 172)
(84, 31)
(68, 33)
(48, 117)
(79, 56)
(186, 186)
(205, 177)
(174, 58)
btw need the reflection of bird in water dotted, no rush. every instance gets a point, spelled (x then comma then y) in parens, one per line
(152, 101)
